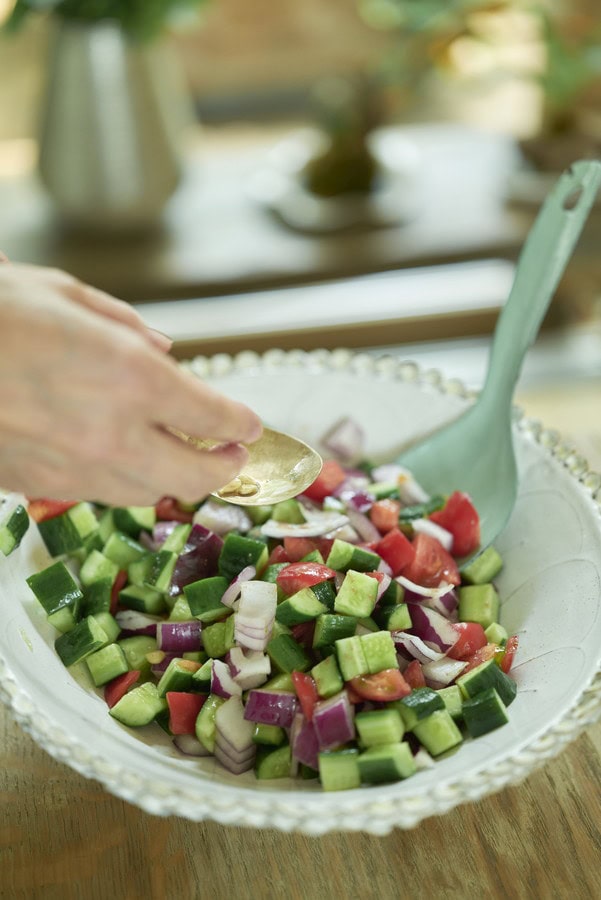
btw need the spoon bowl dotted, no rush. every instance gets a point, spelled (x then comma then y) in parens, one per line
(475, 453)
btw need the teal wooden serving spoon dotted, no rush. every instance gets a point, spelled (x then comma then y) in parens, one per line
(475, 452)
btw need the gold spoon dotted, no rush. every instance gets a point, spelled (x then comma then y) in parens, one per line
(278, 468)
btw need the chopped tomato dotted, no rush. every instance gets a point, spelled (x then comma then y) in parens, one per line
(42, 508)
(119, 686)
(299, 547)
(301, 575)
(352, 695)
(460, 517)
(278, 555)
(470, 637)
(183, 711)
(414, 675)
(385, 514)
(118, 585)
(509, 652)
(480, 656)
(331, 476)
(306, 691)
(169, 509)
(379, 576)
(383, 686)
(396, 549)
(431, 564)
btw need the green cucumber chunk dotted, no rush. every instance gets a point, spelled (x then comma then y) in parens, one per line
(357, 595)
(134, 519)
(287, 655)
(351, 658)
(453, 700)
(218, 638)
(484, 712)
(483, 568)
(379, 651)
(418, 705)
(330, 628)
(144, 599)
(178, 676)
(339, 770)
(81, 641)
(204, 598)
(327, 677)
(13, 530)
(106, 664)
(288, 511)
(97, 597)
(238, 552)
(438, 732)
(161, 569)
(300, 607)
(344, 556)
(140, 706)
(478, 603)
(176, 541)
(379, 726)
(386, 762)
(55, 588)
(122, 549)
(487, 675)
(273, 763)
(271, 735)
(206, 726)
(136, 649)
(97, 567)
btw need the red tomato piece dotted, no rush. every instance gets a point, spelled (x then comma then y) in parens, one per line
(385, 514)
(510, 650)
(470, 637)
(460, 517)
(381, 687)
(119, 686)
(299, 547)
(379, 576)
(169, 509)
(414, 675)
(278, 555)
(306, 691)
(118, 585)
(480, 656)
(300, 575)
(183, 711)
(396, 549)
(42, 508)
(431, 564)
(331, 476)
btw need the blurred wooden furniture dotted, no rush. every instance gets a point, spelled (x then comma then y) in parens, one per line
(64, 838)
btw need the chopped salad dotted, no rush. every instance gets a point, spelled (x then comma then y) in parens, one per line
(334, 636)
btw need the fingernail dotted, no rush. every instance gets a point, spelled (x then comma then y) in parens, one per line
(163, 341)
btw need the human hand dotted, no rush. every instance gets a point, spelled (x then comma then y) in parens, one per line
(86, 392)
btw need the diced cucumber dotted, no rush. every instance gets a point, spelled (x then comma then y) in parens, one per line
(287, 655)
(139, 706)
(386, 762)
(106, 526)
(238, 552)
(325, 593)
(273, 763)
(135, 649)
(496, 634)
(62, 534)
(161, 570)
(96, 567)
(106, 663)
(483, 568)
(206, 727)
(204, 598)
(178, 676)
(134, 519)
(259, 514)
(65, 619)
(339, 770)
(437, 732)
(351, 658)
(344, 556)
(271, 573)
(201, 679)
(139, 571)
(109, 625)
(97, 597)
(479, 603)
(313, 556)
(327, 677)
(395, 618)
(487, 675)
(300, 607)
(122, 549)
(379, 726)
(392, 596)
(418, 705)
(330, 628)
(271, 735)
(484, 712)
(453, 701)
(144, 599)
(366, 625)
(280, 682)
(55, 588)
(357, 595)
(288, 511)
(13, 530)
(81, 641)
(218, 638)
(421, 510)
(180, 611)
(176, 541)
(379, 651)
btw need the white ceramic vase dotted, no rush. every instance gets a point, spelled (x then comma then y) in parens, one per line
(110, 129)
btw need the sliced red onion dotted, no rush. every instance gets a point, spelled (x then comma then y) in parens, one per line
(222, 517)
(133, 622)
(444, 671)
(318, 524)
(179, 637)
(252, 627)
(338, 579)
(304, 743)
(251, 642)
(355, 494)
(345, 440)
(431, 627)
(383, 585)
(234, 762)
(334, 721)
(417, 648)
(363, 525)
(445, 604)
(190, 745)
(258, 600)
(232, 592)
(384, 567)
(198, 559)
(147, 542)
(422, 591)
(162, 530)
(426, 526)
(232, 728)
(249, 669)
(222, 683)
(271, 707)
(158, 668)
(345, 533)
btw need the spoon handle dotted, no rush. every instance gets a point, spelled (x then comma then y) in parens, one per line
(545, 254)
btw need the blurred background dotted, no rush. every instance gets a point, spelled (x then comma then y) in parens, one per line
(357, 172)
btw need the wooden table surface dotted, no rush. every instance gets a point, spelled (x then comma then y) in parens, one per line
(63, 837)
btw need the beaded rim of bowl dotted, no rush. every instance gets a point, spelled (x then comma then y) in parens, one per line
(351, 810)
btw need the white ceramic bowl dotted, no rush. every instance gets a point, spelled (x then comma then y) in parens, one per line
(550, 589)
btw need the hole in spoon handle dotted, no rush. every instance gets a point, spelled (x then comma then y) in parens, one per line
(572, 199)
